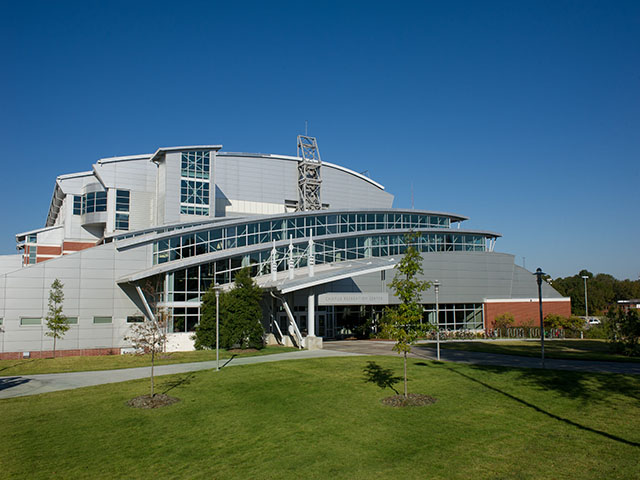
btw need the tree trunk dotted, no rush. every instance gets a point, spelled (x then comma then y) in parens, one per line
(153, 358)
(54, 347)
(405, 375)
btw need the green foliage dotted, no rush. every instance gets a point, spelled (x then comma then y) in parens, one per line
(57, 324)
(504, 321)
(403, 323)
(602, 291)
(553, 320)
(240, 316)
(624, 331)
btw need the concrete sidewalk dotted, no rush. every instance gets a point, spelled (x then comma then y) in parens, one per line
(23, 385)
(369, 347)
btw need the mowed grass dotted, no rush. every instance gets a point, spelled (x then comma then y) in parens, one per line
(320, 419)
(576, 349)
(35, 366)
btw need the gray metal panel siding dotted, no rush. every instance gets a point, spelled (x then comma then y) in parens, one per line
(256, 179)
(273, 180)
(465, 277)
(343, 190)
(90, 290)
(172, 188)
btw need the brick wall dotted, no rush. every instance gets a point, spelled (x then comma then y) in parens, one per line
(525, 311)
(62, 353)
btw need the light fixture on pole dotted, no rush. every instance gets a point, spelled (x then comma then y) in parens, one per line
(539, 273)
(216, 289)
(436, 287)
(586, 305)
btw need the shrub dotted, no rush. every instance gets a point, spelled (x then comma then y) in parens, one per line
(240, 316)
(624, 331)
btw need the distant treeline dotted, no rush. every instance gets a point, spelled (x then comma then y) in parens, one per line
(603, 291)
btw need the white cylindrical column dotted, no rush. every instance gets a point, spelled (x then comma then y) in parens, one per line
(311, 314)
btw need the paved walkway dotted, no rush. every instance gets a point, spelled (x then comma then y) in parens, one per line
(23, 385)
(369, 347)
(19, 386)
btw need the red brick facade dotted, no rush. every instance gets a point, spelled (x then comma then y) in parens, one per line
(76, 246)
(61, 353)
(525, 311)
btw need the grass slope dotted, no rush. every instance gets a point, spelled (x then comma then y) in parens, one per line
(597, 350)
(321, 419)
(35, 366)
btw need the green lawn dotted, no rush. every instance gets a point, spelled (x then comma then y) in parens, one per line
(567, 349)
(109, 362)
(320, 419)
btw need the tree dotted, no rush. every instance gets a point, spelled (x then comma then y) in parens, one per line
(403, 323)
(150, 337)
(240, 316)
(624, 330)
(556, 321)
(603, 291)
(504, 321)
(56, 320)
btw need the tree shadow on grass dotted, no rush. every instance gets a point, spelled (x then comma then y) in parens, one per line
(14, 365)
(382, 377)
(10, 382)
(178, 382)
(591, 386)
(555, 382)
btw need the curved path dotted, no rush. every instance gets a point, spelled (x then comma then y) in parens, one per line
(381, 347)
(23, 385)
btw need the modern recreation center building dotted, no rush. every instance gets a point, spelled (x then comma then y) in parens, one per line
(145, 231)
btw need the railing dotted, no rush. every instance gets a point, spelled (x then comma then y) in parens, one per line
(274, 322)
(293, 326)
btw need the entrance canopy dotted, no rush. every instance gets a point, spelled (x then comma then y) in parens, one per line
(325, 273)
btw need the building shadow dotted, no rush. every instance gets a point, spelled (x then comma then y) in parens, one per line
(382, 377)
(10, 382)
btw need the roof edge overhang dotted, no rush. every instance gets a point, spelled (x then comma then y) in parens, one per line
(162, 151)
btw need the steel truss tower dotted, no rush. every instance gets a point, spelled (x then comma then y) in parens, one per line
(308, 174)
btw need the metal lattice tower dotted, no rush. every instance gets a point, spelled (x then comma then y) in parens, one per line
(308, 174)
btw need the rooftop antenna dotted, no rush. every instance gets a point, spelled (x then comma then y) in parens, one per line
(306, 125)
(412, 206)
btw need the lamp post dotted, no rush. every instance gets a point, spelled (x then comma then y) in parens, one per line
(217, 290)
(539, 273)
(436, 286)
(586, 305)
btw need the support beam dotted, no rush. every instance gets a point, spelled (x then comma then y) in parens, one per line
(150, 314)
(311, 314)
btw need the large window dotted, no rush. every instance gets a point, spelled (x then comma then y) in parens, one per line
(455, 316)
(194, 185)
(378, 245)
(122, 209)
(77, 204)
(94, 202)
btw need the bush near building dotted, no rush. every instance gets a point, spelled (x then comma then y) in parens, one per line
(240, 315)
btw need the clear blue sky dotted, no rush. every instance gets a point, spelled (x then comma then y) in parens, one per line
(524, 116)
